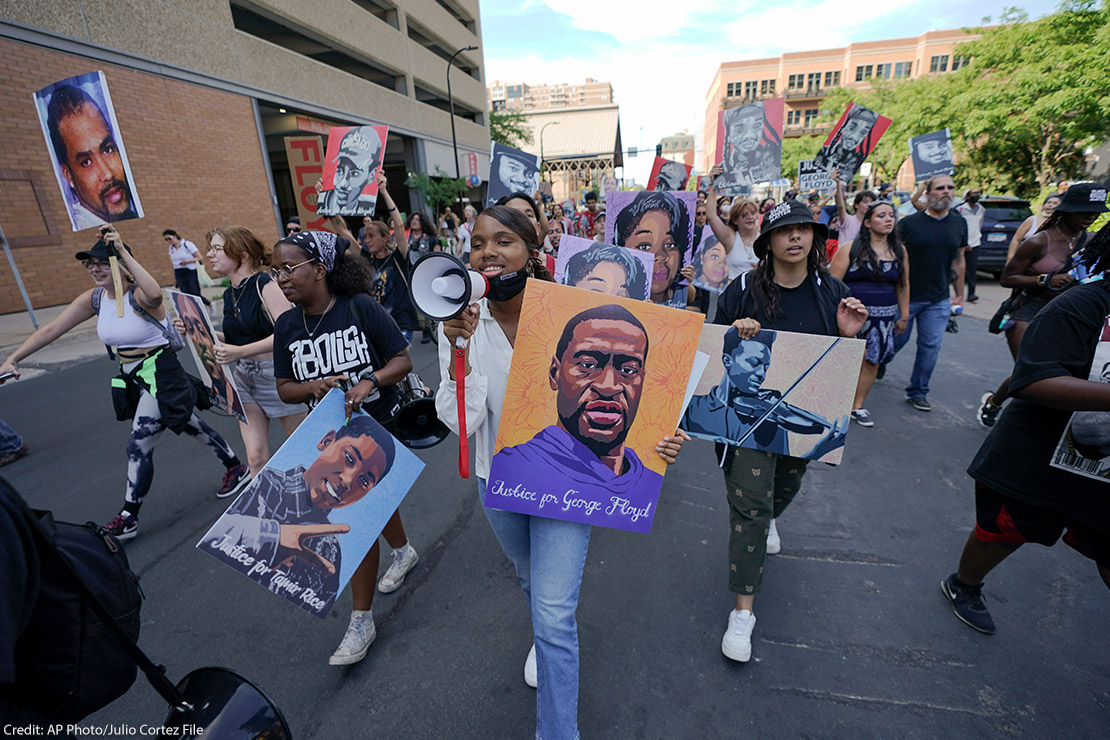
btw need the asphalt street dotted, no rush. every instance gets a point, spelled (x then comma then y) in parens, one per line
(854, 639)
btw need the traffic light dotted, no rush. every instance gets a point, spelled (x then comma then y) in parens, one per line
(659, 150)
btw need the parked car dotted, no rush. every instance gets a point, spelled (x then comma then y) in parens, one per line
(1003, 217)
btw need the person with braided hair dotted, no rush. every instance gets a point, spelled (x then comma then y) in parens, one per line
(1019, 496)
(337, 336)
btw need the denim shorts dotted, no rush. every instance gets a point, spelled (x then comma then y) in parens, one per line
(256, 384)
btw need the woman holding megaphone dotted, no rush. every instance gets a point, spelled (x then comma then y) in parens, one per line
(548, 554)
(152, 389)
(327, 282)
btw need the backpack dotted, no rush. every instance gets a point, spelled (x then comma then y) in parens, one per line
(176, 341)
(68, 662)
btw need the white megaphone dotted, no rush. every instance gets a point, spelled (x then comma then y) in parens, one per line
(442, 288)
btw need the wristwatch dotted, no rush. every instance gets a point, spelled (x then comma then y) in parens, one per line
(369, 375)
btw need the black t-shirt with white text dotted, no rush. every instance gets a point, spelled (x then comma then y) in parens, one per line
(1014, 459)
(932, 245)
(357, 334)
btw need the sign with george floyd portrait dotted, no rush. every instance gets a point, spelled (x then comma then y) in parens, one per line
(932, 155)
(604, 268)
(351, 165)
(511, 171)
(201, 336)
(661, 223)
(851, 141)
(595, 383)
(306, 521)
(779, 392)
(749, 146)
(87, 152)
(668, 175)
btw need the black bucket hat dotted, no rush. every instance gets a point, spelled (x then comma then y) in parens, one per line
(787, 213)
(1086, 197)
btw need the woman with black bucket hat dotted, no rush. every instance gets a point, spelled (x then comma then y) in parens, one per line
(1039, 271)
(790, 290)
(152, 389)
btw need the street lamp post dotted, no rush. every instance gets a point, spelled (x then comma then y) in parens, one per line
(451, 105)
(542, 128)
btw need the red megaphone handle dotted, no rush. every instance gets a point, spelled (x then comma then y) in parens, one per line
(460, 405)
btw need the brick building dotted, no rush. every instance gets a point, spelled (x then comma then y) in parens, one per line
(805, 77)
(205, 94)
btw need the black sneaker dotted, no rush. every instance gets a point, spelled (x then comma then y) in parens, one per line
(235, 479)
(920, 403)
(968, 605)
(123, 527)
(988, 412)
(881, 371)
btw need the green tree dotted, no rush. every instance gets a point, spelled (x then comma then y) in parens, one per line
(439, 190)
(1033, 96)
(509, 127)
(795, 150)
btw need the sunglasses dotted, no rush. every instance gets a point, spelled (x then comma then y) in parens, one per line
(294, 229)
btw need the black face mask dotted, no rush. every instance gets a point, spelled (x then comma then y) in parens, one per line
(507, 285)
(973, 199)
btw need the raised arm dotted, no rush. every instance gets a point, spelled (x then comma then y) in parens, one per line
(721, 230)
(915, 198)
(147, 290)
(838, 194)
(395, 221)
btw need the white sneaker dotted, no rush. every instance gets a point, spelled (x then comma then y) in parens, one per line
(530, 668)
(737, 642)
(774, 543)
(404, 560)
(360, 636)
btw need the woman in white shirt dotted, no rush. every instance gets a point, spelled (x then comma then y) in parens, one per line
(548, 554)
(739, 234)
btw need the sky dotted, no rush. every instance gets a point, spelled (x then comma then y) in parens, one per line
(661, 56)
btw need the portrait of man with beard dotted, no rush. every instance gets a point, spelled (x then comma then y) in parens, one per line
(852, 143)
(83, 136)
(752, 152)
(597, 373)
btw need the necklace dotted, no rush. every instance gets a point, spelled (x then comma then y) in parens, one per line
(1072, 241)
(312, 334)
(235, 295)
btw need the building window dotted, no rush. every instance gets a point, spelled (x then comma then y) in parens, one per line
(903, 69)
(813, 81)
(958, 62)
(811, 116)
(864, 71)
(793, 117)
(796, 82)
(767, 87)
(832, 79)
(939, 63)
(749, 89)
(884, 70)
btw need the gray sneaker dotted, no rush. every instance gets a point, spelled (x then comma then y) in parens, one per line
(920, 403)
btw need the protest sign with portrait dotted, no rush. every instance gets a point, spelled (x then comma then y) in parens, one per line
(305, 155)
(811, 177)
(202, 342)
(750, 146)
(595, 383)
(87, 152)
(1084, 448)
(351, 164)
(932, 155)
(661, 223)
(605, 268)
(668, 175)
(711, 265)
(851, 141)
(780, 392)
(306, 521)
(511, 171)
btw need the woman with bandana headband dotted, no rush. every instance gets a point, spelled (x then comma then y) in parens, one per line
(549, 555)
(337, 336)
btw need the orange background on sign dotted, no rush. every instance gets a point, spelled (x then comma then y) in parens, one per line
(530, 402)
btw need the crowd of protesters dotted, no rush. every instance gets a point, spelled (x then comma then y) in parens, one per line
(864, 273)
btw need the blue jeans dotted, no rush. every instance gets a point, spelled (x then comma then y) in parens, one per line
(549, 556)
(10, 441)
(931, 320)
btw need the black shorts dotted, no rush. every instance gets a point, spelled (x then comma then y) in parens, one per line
(1000, 518)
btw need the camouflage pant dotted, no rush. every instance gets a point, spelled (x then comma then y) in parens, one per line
(760, 486)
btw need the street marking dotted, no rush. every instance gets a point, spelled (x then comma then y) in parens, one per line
(853, 698)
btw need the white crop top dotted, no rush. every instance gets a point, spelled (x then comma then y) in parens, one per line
(132, 330)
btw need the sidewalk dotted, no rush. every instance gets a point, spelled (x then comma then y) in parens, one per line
(80, 344)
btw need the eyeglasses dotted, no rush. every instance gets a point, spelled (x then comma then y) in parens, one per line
(166, 239)
(212, 249)
(286, 272)
(94, 264)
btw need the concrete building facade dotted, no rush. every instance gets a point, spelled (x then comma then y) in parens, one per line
(804, 78)
(205, 92)
(525, 97)
(678, 148)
